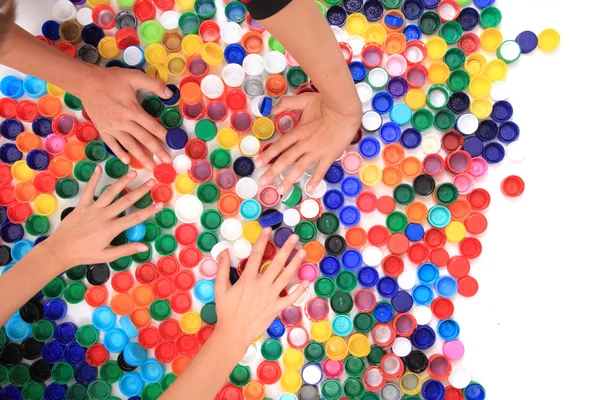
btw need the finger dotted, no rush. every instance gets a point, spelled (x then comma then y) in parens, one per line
(284, 143)
(301, 166)
(116, 148)
(87, 196)
(293, 102)
(135, 218)
(155, 129)
(130, 198)
(284, 278)
(291, 298)
(258, 250)
(149, 141)
(280, 258)
(113, 253)
(285, 160)
(113, 190)
(222, 283)
(319, 174)
(156, 86)
(130, 142)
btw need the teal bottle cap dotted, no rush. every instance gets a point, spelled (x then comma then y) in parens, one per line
(451, 32)
(83, 170)
(404, 194)
(152, 232)
(346, 281)
(271, 349)
(355, 366)
(209, 313)
(396, 222)
(211, 219)
(422, 119)
(166, 244)
(160, 310)
(439, 216)
(74, 292)
(86, 335)
(208, 192)
(77, 273)
(206, 241)
(153, 106)
(341, 325)
(41, 330)
(220, 158)
(95, 151)
(189, 23)
(115, 168)
(328, 223)
(331, 389)
(165, 218)
(292, 197)
(54, 289)
(206, 130)
(250, 209)
(171, 118)
(354, 389)
(446, 193)
(66, 188)
(206, 9)
(341, 303)
(37, 225)
(240, 376)
(306, 230)
(388, 4)
(364, 322)
(121, 264)
(314, 352)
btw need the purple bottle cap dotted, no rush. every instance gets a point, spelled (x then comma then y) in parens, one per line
(201, 171)
(528, 41)
(226, 180)
(473, 145)
(291, 316)
(317, 309)
(281, 235)
(397, 87)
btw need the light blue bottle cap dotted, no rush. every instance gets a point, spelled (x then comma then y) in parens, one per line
(428, 273)
(446, 286)
(136, 233)
(401, 114)
(152, 371)
(7, 267)
(204, 291)
(342, 325)
(134, 354)
(128, 327)
(448, 329)
(131, 384)
(20, 249)
(34, 87)
(17, 330)
(439, 216)
(115, 340)
(288, 396)
(250, 209)
(422, 295)
(103, 318)
(12, 87)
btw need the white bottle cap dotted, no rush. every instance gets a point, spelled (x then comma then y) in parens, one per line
(356, 44)
(406, 280)
(291, 217)
(365, 92)
(242, 248)
(246, 188)
(275, 62)
(253, 64)
(255, 106)
(64, 10)
(84, 16)
(212, 86)
(378, 77)
(318, 191)
(233, 75)
(467, 124)
(312, 374)
(218, 248)
(297, 336)
(500, 91)
(133, 56)
(182, 164)
(459, 377)
(414, 54)
(340, 34)
(287, 171)
(170, 19)
(250, 355)
(231, 32)
(422, 314)
(510, 50)
(372, 256)
(188, 209)
(447, 12)
(431, 144)
(231, 229)
(515, 151)
(402, 347)
(249, 145)
(371, 121)
(310, 209)
(304, 297)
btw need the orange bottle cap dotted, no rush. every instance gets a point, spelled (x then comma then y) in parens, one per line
(411, 167)
(253, 42)
(391, 176)
(393, 154)
(229, 204)
(60, 167)
(140, 317)
(25, 192)
(276, 85)
(460, 209)
(27, 141)
(49, 106)
(356, 237)
(315, 251)
(416, 212)
(121, 304)
(74, 151)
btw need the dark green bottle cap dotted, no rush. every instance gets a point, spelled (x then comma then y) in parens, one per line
(325, 287)
(435, 91)
(77, 392)
(99, 390)
(168, 380)
(314, 352)
(422, 119)
(208, 192)
(209, 313)
(444, 120)
(396, 222)
(153, 106)
(171, 118)
(390, 4)
(3, 374)
(328, 223)
(240, 376)
(341, 303)
(144, 202)
(430, 22)
(166, 218)
(83, 170)
(110, 372)
(364, 322)
(306, 230)
(115, 168)
(202, 11)
(160, 310)
(18, 375)
(296, 76)
(152, 232)
(271, 349)
(490, 17)
(206, 130)
(346, 281)
(37, 225)
(211, 219)
(355, 366)
(151, 391)
(459, 80)
(74, 103)
(42, 330)
(34, 391)
(334, 2)
(220, 158)
(371, 396)
(331, 389)
(54, 289)
(77, 273)
(74, 292)
(374, 357)
(354, 388)
(121, 264)
(274, 45)
(451, 32)
(95, 151)
(62, 373)
(66, 188)
(446, 193)
(404, 194)
(143, 256)
(455, 58)
(206, 241)
(165, 244)
(86, 335)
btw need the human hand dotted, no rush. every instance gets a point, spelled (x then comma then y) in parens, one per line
(247, 308)
(84, 236)
(110, 101)
(322, 135)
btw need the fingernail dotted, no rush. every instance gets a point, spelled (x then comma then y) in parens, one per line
(309, 187)
(280, 190)
(159, 206)
(131, 174)
(150, 183)
(166, 159)
(301, 253)
(258, 163)
(97, 169)
(294, 239)
(149, 166)
(125, 159)
(263, 180)
(219, 256)
(168, 93)
(267, 229)
(141, 247)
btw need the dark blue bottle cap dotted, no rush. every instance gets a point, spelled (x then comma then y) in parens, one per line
(336, 15)
(176, 138)
(134, 354)
(333, 199)
(414, 232)
(473, 145)
(351, 186)
(389, 132)
(9, 153)
(373, 10)
(357, 69)
(433, 389)
(243, 166)
(115, 64)
(402, 302)
(481, 4)
(351, 259)
(265, 106)
(474, 392)
(528, 41)
(368, 277)
(234, 54)
(281, 234)
(422, 294)
(468, 18)
(352, 6)
(509, 132)
(410, 138)
(330, 266)
(39, 240)
(64, 333)
(369, 147)
(54, 391)
(397, 87)
(3, 219)
(52, 352)
(92, 34)
(431, 4)
(10, 392)
(276, 329)
(37, 160)
(493, 152)
(448, 329)
(412, 9)
(387, 287)
(74, 354)
(334, 174)
(382, 102)
(349, 216)
(502, 111)
(487, 130)
(423, 337)
(10, 128)
(174, 99)
(412, 32)
(85, 374)
(459, 102)
(50, 30)
(42, 126)
(383, 312)
(55, 309)
(12, 232)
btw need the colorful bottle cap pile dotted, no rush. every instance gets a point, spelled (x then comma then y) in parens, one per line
(377, 320)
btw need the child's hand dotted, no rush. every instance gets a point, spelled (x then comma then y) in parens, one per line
(322, 135)
(84, 236)
(247, 308)
(110, 101)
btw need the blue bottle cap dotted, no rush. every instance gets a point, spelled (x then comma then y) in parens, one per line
(175, 98)
(336, 15)
(54, 391)
(50, 30)
(64, 333)
(412, 9)
(152, 371)
(422, 295)
(468, 18)
(334, 174)
(474, 392)
(10, 128)
(136, 233)
(341, 325)
(281, 234)
(52, 352)
(103, 318)
(391, 20)
(333, 199)
(127, 325)
(382, 102)
(528, 41)
(412, 32)
(502, 111)
(17, 330)
(351, 186)
(433, 389)
(509, 132)
(401, 114)
(357, 69)
(34, 87)
(42, 126)
(204, 291)
(11, 232)
(383, 312)
(12, 87)
(446, 286)
(410, 138)
(352, 6)
(487, 130)
(423, 337)
(402, 302)
(3, 217)
(74, 354)
(250, 209)
(351, 259)
(243, 166)
(176, 138)
(387, 287)
(473, 145)
(85, 374)
(368, 277)
(369, 147)
(493, 152)
(414, 232)
(481, 4)
(131, 384)
(349, 216)
(266, 105)
(389, 132)
(373, 10)
(20, 249)
(115, 340)
(234, 54)
(276, 329)
(9, 153)
(431, 4)
(439, 216)
(92, 34)
(459, 102)
(55, 309)
(134, 354)
(39, 240)
(330, 266)
(448, 329)
(109, 150)
(37, 160)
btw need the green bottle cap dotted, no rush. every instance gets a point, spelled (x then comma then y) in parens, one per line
(271, 349)
(99, 390)
(438, 97)
(306, 230)
(211, 219)
(346, 281)
(295, 76)
(3, 374)
(95, 151)
(451, 32)
(160, 310)
(209, 313)
(77, 273)
(121, 264)
(166, 218)
(292, 197)
(374, 357)
(372, 396)
(206, 130)
(34, 391)
(206, 9)
(86, 335)
(240, 376)
(152, 232)
(274, 45)
(328, 223)
(77, 392)
(455, 58)
(83, 170)
(341, 303)
(396, 222)
(354, 388)
(152, 391)
(444, 120)
(364, 322)
(168, 380)
(165, 244)
(509, 51)
(151, 32)
(314, 352)
(42, 330)
(144, 202)
(355, 366)
(391, 4)
(331, 389)
(459, 80)
(422, 119)
(37, 225)
(126, 3)
(62, 373)
(430, 22)
(321, 7)
(404, 194)
(446, 193)
(189, 23)
(54, 289)
(72, 102)
(110, 372)
(325, 287)
(208, 192)
(171, 118)
(18, 375)
(220, 158)
(66, 188)
(206, 241)
(143, 256)
(115, 168)
(490, 17)
(74, 292)
(119, 239)
(153, 106)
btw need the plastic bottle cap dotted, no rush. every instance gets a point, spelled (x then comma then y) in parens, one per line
(549, 39)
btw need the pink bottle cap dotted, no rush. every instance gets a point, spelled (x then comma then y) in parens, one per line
(290, 59)
(464, 183)
(291, 316)
(433, 164)
(479, 167)
(317, 309)
(268, 196)
(333, 369)
(54, 144)
(208, 268)
(365, 300)
(396, 65)
(351, 162)
(453, 349)
(308, 272)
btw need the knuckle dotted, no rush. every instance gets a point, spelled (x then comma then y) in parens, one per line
(146, 140)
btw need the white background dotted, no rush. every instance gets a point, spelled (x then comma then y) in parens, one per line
(528, 332)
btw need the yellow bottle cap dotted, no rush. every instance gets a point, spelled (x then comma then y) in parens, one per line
(375, 33)
(159, 72)
(212, 53)
(321, 331)
(481, 107)
(175, 64)
(290, 381)
(263, 128)
(190, 322)
(94, 3)
(370, 174)
(264, 266)
(490, 39)
(258, 338)
(251, 231)
(480, 86)
(184, 184)
(21, 172)
(455, 231)
(55, 90)
(336, 348)
(155, 54)
(356, 24)
(227, 138)
(359, 345)
(436, 48)
(45, 204)
(496, 70)
(185, 5)
(548, 40)
(415, 99)
(475, 64)
(107, 47)
(192, 44)
(293, 359)
(438, 72)
(410, 383)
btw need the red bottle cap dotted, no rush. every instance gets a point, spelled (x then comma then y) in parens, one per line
(8, 107)
(7, 195)
(144, 10)
(356, 237)
(512, 186)
(192, 112)
(64, 124)
(459, 266)
(378, 235)
(164, 5)
(148, 337)
(45, 40)
(190, 256)
(163, 288)
(121, 282)
(196, 149)
(469, 43)
(468, 286)
(435, 238)
(383, 335)
(346, 52)
(241, 121)
(476, 223)
(181, 302)
(106, 10)
(27, 111)
(479, 199)
(439, 367)
(392, 265)
(186, 234)
(298, 337)
(415, 51)
(184, 280)
(371, 55)
(386, 204)
(398, 243)
(209, 31)
(416, 75)
(165, 173)
(167, 266)
(126, 37)
(404, 324)
(146, 273)
(442, 308)
(5, 175)
(235, 100)
(373, 379)
(452, 141)
(66, 48)
(453, 393)
(418, 253)
(439, 257)
(366, 202)
(230, 392)
(392, 366)
(286, 122)
(268, 372)
(187, 344)
(96, 355)
(165, 352)
(204, 333)
(86, 132)
(470, 247)
(44, 182)
(169, 329)
(365, 300)
(161, 193)
(270, 251)
(18, 212)
(96, 296)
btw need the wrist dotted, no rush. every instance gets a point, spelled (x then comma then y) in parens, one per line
(84, 79)
(52, 256)
(232, 340)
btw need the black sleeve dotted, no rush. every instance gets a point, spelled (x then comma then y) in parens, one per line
(261, 9)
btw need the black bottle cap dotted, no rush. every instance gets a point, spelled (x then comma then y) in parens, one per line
(98, 274)
(66, 212)
(243, 166)
(31, 349)
(123, 364)
(40, 370)
(335, 244)
(5, 256)
(416, 361)
(31, 311)
(119, 240)
(11, 355)
(233, 276)
(424, 185)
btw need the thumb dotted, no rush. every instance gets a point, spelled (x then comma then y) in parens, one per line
(129, 249)
(153, 85)
(294, 102)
